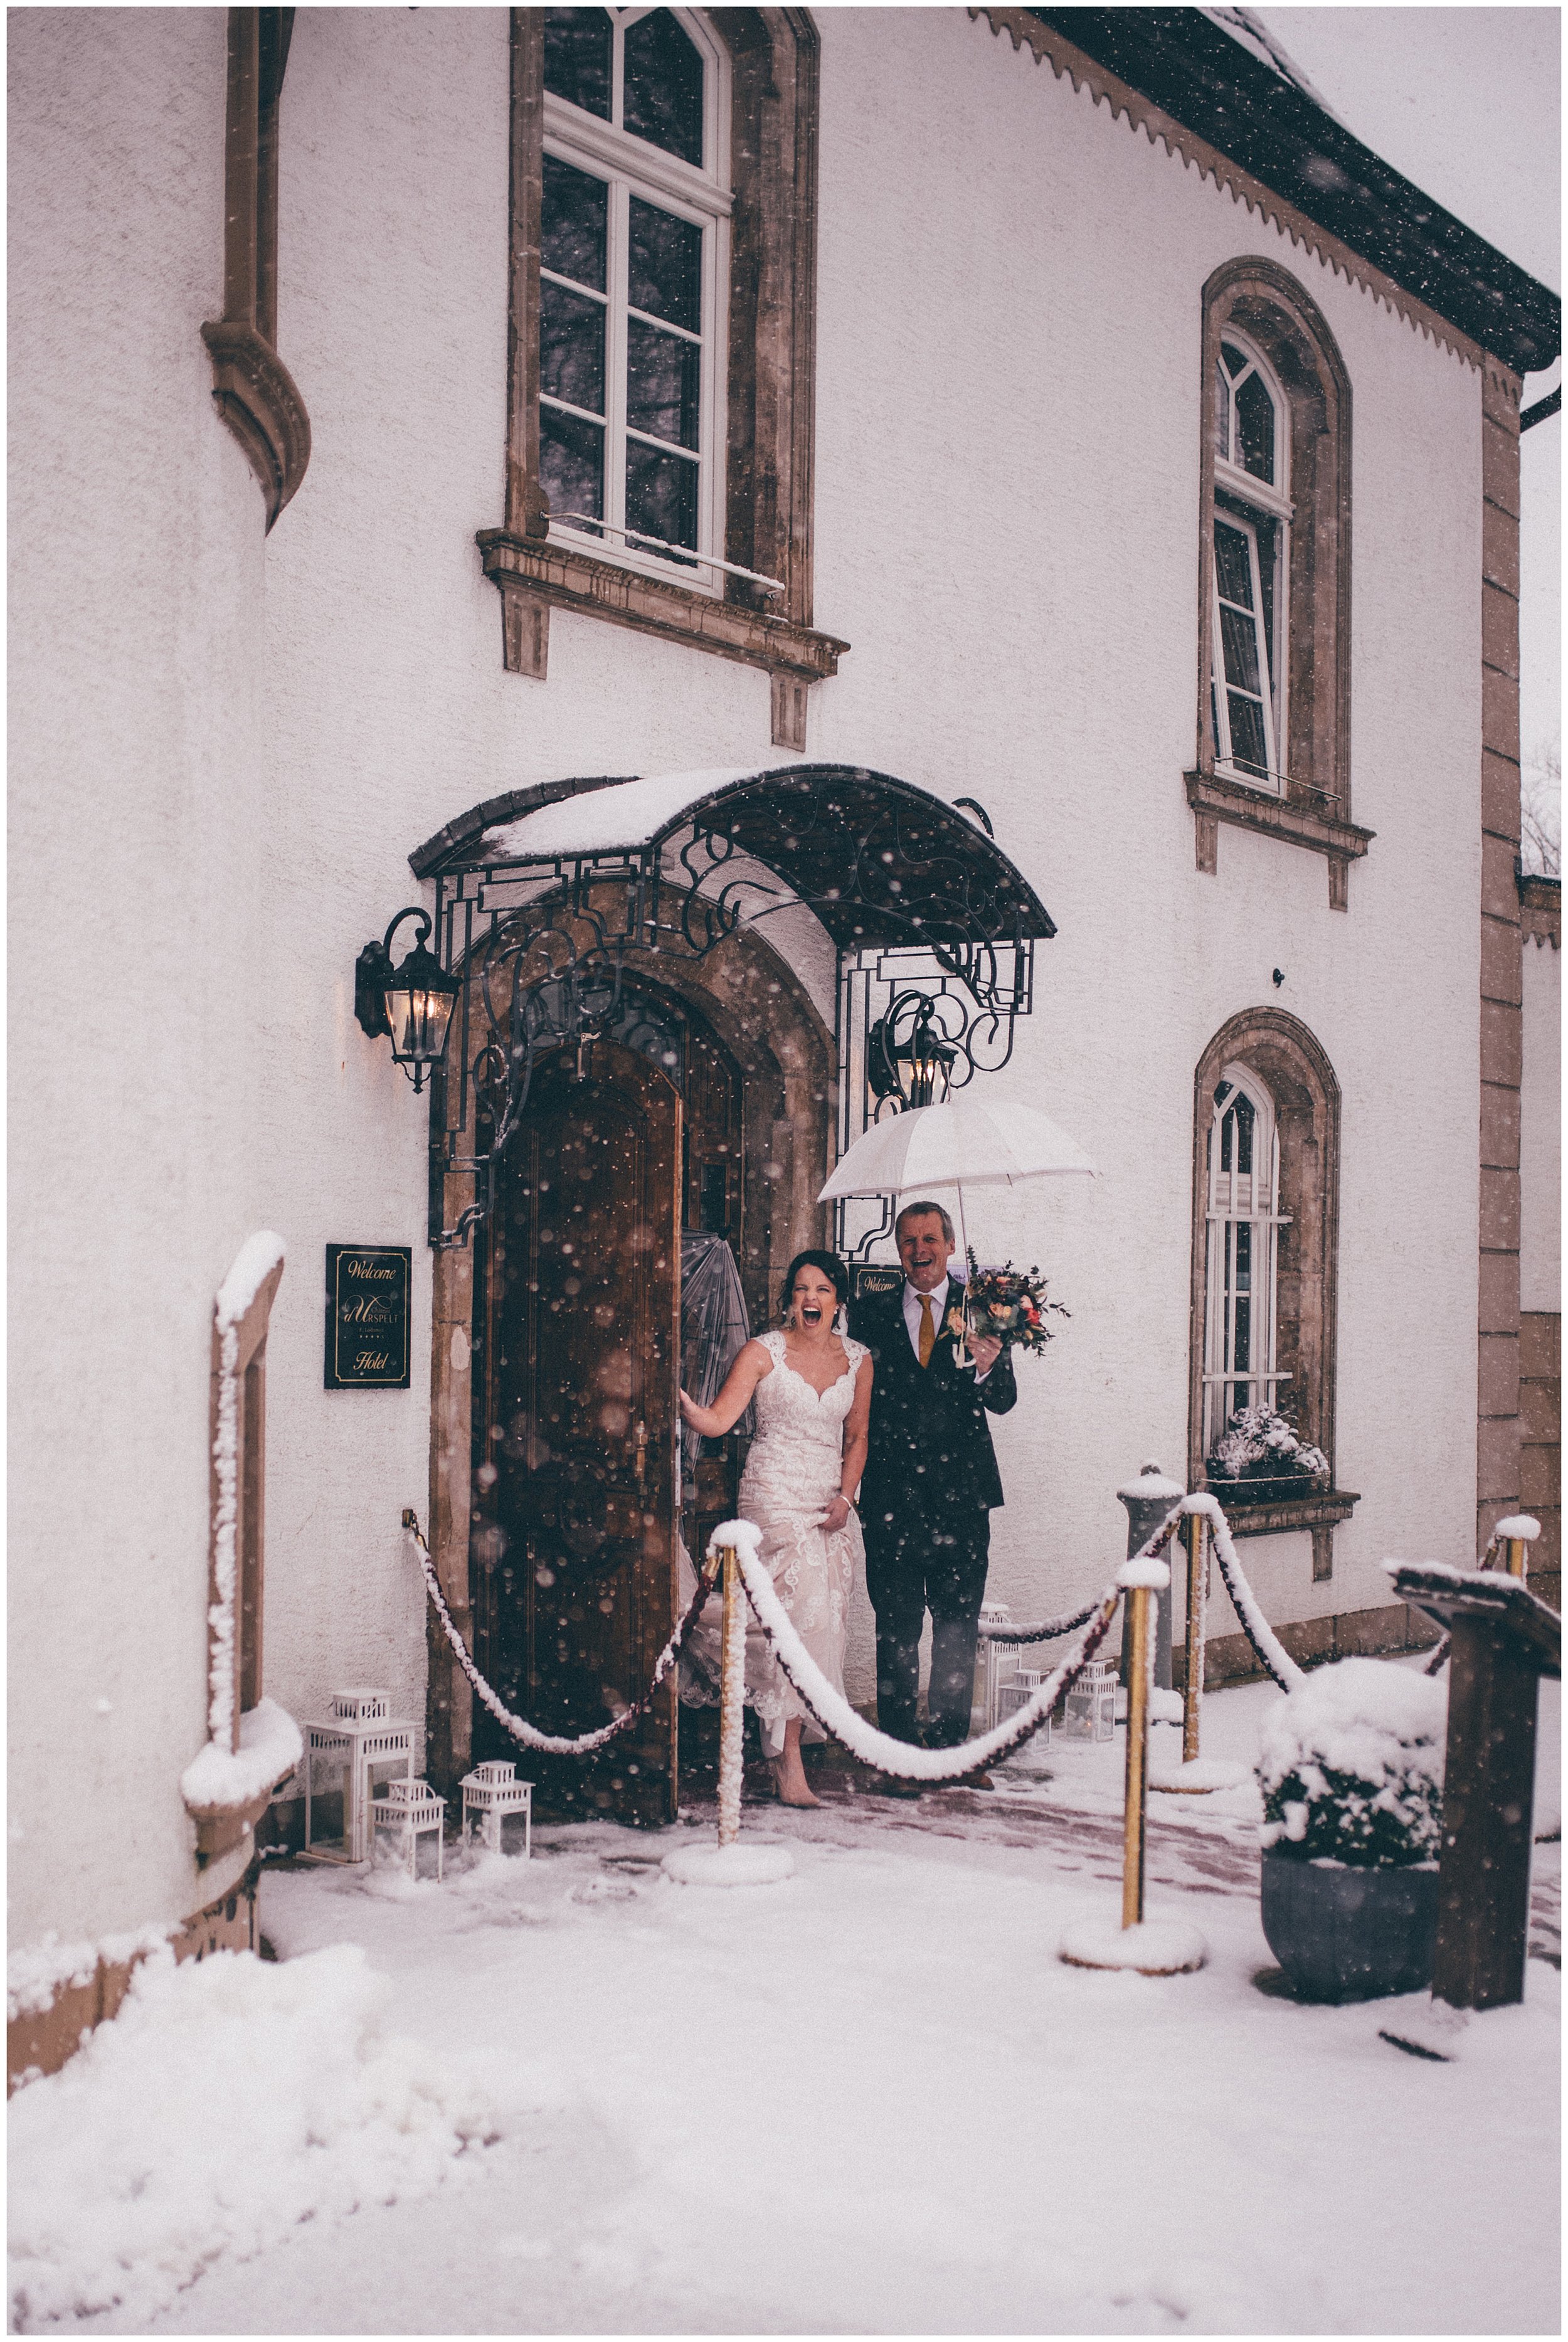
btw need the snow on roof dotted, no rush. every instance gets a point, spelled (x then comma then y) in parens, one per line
(629, 813)
(1243, 24)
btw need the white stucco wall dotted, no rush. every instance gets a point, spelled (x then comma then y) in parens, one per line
(139, 953)
(225, 754)
(1541, 1131)
(1042, 584)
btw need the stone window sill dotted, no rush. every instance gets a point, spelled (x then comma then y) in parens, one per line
(533, 574)
(1314, 1508)
(1295, 821)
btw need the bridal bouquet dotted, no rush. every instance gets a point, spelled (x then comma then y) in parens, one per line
(1007, 1303)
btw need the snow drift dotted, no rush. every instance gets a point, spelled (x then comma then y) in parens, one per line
(230, 2099)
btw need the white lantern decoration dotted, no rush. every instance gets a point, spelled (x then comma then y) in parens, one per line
(1016, 1692)
(489, 1793)
(358, 1737)
(996, 1663)
(413, 1809)
(1090, 1713)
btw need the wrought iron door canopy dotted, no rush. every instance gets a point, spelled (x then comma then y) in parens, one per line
(541, 895)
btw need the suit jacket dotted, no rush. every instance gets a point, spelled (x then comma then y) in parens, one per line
(929, 1442)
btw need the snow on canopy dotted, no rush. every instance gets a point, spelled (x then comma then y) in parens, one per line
(876, 859)
(628, 813)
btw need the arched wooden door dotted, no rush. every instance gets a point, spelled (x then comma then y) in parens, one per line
(575, 1594)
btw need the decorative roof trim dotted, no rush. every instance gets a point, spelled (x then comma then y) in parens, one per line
(1540, 908)
(1024, 27)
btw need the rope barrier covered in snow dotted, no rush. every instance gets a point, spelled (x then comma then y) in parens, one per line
(528, 1735)
(833, 1712)
(1271, 1651)
(829, 1707)
(1044, 1630)
(1272, 1654)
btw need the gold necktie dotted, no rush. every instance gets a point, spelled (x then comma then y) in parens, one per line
(927, 1330)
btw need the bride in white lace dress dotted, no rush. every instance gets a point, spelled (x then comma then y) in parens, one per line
(811, 1386)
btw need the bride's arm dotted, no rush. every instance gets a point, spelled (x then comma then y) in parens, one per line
(856, 1439)
(732, 1401)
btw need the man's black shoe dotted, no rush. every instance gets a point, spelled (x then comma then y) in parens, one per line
(893, 1785)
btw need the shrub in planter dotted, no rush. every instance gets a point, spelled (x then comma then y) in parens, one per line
(1258, 1445)
(1351, 1769)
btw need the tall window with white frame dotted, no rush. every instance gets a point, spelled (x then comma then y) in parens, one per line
(1252, 520)
(633, 266)
(1244, 1223)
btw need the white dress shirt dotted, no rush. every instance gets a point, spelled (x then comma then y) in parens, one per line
(937, 1297)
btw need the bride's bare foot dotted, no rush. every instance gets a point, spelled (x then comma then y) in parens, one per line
(790, 1781)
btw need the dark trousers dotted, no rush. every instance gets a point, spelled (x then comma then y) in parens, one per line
(937, 1563)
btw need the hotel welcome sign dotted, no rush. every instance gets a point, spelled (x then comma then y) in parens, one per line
(367, 1289)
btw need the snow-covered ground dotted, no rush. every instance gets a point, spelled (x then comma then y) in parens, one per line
(570, 2097)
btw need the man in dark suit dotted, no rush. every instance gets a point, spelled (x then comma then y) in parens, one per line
(930, 1481)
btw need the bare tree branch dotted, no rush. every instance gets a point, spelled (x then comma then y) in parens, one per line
(1540, 810)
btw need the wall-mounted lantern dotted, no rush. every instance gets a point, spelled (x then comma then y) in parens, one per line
(412, 1004)
(913, 1070)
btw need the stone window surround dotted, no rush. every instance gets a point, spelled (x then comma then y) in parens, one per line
(1265, 302)
(1290, 1063)
(773, 66)
(253, 390)
(606, 153)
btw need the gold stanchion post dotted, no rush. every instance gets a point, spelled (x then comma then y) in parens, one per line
(729, 1863)
(1167, 1948)
(1135, 1823)
(1517, 1551)
(732, 1701)
(1195, 1527)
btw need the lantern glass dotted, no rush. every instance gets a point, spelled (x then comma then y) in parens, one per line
(419, 1004)
(923, 1064)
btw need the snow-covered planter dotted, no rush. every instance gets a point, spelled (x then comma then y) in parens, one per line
(1260, 1455)
(1351, 1770)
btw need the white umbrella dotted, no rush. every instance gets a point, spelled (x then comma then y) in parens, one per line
(966, 1142)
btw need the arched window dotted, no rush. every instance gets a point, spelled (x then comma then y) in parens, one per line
(633, 266)
(1250, 570)
(1265, 1240)
(1242, 1222)
(1274, 718)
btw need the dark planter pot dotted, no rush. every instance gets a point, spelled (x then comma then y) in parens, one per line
(1346, 1933)
(1274, 1489)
